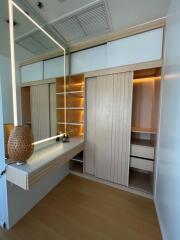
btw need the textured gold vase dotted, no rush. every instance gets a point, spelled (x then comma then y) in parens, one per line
(20, 146)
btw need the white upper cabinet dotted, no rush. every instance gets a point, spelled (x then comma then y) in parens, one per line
(54, 67)
(139, 48)
(143, 47)
(89, 59)
(32, 72)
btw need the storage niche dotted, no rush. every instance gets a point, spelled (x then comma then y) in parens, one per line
(70, 105)
(145, 115)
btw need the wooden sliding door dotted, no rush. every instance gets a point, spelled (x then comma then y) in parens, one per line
(40, 115)
(108, 126)
(90, 125)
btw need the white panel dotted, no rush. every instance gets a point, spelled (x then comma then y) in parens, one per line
(142, 151)
(54, 68)
(32, 72)
(139, 48)
(168, 176)
(40, 111)
(89, 60)
(89, 153)
(142, 164)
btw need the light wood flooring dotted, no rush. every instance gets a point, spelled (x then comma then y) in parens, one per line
(82, 209)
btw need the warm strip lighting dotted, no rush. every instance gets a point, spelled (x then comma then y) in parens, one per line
(148, 79)
(37, 25)
(47, 139)
(13, 70)
(11, 3)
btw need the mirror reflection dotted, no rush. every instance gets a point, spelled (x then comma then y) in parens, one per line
(37, 79)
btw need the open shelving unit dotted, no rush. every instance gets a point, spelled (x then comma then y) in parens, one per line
(26, 105)
(74, 111)
(76, 163)
(74, 107)
(145, 111)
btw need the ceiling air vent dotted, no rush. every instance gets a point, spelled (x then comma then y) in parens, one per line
(91, 20)
(36, 42)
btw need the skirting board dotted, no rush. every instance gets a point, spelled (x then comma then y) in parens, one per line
(163, 233)
(130, 190)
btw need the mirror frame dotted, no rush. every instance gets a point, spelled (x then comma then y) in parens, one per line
(11, 5)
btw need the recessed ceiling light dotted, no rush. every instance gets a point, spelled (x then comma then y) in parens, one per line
(40, 5)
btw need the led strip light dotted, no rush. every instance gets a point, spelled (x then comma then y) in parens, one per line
(11, 3)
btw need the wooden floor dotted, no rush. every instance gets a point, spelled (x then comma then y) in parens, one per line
(81, 209)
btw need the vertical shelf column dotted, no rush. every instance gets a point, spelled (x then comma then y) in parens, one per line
(74, 108)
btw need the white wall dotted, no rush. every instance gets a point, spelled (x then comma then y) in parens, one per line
(5, 73)
(3, 190)
(167, 195)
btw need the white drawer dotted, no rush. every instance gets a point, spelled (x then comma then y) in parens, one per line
(142, 164)
(142, 151)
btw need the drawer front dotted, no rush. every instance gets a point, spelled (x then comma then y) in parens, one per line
(142, 164)
(142, 151)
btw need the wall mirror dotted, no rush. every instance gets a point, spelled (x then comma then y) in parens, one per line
(30, 40)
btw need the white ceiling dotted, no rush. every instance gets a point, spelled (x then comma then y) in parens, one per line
(123, 13)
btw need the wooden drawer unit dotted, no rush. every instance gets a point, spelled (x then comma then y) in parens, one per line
(142, 164)
(142, 151)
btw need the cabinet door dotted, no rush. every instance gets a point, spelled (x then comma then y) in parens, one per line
(54, 68)
(107, 147)
(40, 111)
(52, 102)
(103, 127)
(32, 72)
(90, 125)
(121, 127)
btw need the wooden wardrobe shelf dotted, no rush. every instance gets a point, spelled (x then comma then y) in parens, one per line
(70, 105)
(143, 130)
(142, 142)
(70, 108)
(72, 93)
(76, 124)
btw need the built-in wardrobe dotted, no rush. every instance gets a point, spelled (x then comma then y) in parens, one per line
(121, 123)
(38, 109)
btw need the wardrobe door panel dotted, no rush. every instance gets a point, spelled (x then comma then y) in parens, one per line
(40, 111)
(108, 128)
(121, 127)
(104, 103)
(89, 154)
(52, 102)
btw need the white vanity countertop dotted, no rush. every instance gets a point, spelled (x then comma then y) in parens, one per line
(44, 160)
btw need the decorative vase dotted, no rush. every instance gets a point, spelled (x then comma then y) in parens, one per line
(20, 146)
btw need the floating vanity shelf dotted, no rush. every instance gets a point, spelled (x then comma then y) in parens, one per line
(44, 161)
